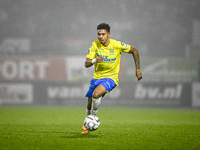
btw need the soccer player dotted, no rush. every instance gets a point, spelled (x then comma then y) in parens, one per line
(105, 55)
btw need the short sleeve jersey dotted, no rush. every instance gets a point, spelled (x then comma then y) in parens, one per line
(110, 66)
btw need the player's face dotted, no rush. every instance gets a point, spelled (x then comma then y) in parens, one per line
(103, 37)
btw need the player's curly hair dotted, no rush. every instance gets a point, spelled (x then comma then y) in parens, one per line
(104, 26)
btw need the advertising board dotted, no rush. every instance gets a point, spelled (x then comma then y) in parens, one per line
(65, 80)
(16, 93)
(32, 69)
(164, 70)
(156, 94)
(127, 94)
(196, 95)
(44, 69)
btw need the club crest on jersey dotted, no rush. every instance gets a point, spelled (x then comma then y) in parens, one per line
(112, 51)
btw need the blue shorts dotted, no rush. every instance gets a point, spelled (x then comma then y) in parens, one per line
(108, 83)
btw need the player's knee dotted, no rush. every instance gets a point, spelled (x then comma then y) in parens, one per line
(96, 95)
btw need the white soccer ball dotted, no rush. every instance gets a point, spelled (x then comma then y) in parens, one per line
(91, 122)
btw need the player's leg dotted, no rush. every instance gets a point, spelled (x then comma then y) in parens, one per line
(96, 98)
(95, 105)
(105, 86)
(102, 87)
(89, 96)
(89, 106)
(99, 91)
(88, 112)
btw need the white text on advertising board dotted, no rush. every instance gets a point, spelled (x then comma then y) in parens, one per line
(10, 70)
(16, 93)
(74, 91)
(156, 92)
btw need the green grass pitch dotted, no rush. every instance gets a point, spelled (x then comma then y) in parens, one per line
(122, 128)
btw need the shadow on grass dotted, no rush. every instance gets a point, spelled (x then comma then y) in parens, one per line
(66, 134)
(79, 135)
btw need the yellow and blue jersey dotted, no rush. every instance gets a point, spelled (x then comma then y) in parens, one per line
(110, 66)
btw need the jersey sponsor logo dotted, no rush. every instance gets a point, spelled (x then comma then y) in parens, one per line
(106, 59)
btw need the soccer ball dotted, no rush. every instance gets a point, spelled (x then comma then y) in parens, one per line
(91, 122)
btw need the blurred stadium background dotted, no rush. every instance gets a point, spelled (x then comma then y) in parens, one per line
(43, 44)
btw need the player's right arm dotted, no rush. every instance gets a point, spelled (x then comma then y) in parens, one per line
(90, 62)
(91, 56)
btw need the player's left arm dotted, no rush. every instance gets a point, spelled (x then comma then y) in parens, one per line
(136, 57)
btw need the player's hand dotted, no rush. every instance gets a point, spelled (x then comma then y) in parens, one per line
(99, 59)
(138, 74)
